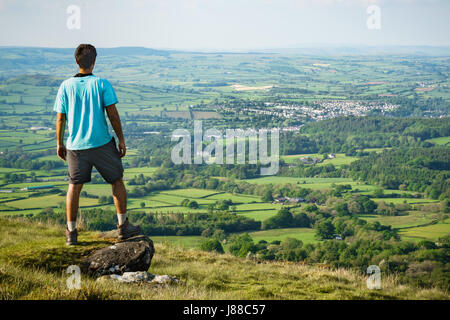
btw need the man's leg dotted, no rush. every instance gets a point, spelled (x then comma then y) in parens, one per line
(120, 200)
(126, 229)
(106, 160)
(72, 202)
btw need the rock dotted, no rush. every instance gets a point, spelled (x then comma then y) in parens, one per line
(141, 277)
(138, 276)
(134, 254)
(165, 279)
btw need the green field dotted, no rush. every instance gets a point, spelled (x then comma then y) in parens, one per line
(339, 160)
(304, 234)
(293, 158)
(191, 193)
(236, 198)
(146, 171)
(259, 215)
(313, 183)
(326, 182)
(444, 141)
(258, 206)
(410, 219)
(377, 150)
(403, 200)
(430, 232)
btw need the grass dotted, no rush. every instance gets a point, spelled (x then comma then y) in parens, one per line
(20, 185)
(33, 260)
(191, 193)
(258, 206)
(340, 159)
(236, 198)
(413, 218)
(314, 183)
(146, 171)
(310, 182)
(440, 141)
(377, 150)
(407, 200)
(304, 234)
(292, 158)
(47, 201)
(430, 232)
(259, 215)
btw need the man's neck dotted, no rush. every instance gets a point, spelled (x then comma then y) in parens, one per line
(84, 72)
(80, 75)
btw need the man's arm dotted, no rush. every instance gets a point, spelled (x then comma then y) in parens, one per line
(60, 126)
(114, 118)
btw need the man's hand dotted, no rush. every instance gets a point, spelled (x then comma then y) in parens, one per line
(60, 126)
(114, 118)
(62, 152)
(122, 149)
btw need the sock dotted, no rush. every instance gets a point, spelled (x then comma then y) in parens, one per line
(121, 217)
(71, 225)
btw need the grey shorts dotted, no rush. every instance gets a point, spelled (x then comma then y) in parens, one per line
(106, 159)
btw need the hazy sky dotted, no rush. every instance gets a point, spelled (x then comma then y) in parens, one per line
(224, 24)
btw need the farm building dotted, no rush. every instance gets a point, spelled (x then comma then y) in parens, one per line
(37, 188)
(309, 160)
(40, 128)
(288, 200)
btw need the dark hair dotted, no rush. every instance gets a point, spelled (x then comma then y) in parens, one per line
(85, 55)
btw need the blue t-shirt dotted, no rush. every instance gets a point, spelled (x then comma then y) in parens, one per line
(83, 100)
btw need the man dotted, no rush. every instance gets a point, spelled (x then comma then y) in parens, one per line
(81, 102)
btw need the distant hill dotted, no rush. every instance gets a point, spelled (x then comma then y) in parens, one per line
(69, 51)
(20, 60)
(364, 50)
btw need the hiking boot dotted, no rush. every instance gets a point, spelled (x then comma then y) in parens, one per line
(71, 237)
(127, 230)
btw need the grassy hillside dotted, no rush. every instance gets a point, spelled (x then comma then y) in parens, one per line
(33, 258)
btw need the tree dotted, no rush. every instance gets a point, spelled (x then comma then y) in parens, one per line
(378, 193)
(342, 209)
(212, 245)
(241, 245)
(325, 230)
(207, 233)
(193, 204)
(291, 250)
(283, 219)
(311, 208)
(291, 244)
(142, 205)
(267, 196)
(219, 234)
(105, 200)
